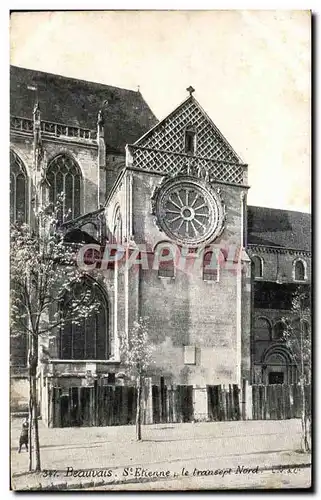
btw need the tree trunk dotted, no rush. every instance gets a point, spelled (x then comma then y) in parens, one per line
(302, 411)
(30, 422)
(33, 406)
(306, 424)
(139, 409)
(305, 442)
(35, 419)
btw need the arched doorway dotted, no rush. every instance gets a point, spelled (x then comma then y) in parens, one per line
(278, 366)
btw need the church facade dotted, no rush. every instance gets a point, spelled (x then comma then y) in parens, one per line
(214, 276)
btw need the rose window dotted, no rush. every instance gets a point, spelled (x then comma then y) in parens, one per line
(188, 212)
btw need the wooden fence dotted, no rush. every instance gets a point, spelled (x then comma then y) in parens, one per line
(172, 403)
(116, 405)
(278, 401)
(223, 402)
(92, 406)
(104, 405)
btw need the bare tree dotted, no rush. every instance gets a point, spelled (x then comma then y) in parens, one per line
(44, 276)
(136, 355)
(297, 335)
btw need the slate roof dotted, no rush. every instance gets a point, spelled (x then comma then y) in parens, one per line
(77, 102)
(279, 228)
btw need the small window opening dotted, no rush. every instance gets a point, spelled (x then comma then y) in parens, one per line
(211, 267)
(166, 268)
(190, 141)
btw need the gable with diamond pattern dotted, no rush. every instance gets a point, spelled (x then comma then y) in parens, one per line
(169, 134)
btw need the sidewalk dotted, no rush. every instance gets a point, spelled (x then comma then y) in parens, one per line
(91, 457)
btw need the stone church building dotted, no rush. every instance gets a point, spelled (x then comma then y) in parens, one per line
(173, 188)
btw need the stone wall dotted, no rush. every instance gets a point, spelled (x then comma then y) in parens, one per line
(186, 311)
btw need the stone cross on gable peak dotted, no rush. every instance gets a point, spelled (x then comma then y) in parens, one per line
(190, 89)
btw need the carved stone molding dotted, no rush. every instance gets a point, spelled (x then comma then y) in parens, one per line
(269, 249)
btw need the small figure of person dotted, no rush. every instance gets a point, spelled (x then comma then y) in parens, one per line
(24, 436)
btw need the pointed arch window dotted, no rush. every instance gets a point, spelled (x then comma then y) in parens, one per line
(64, 176)
(18, 189)
(299, 270)
(257, 267)
(118, 226)
(19, 349)
(90, 338)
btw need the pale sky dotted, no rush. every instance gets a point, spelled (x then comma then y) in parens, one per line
(250, 69)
